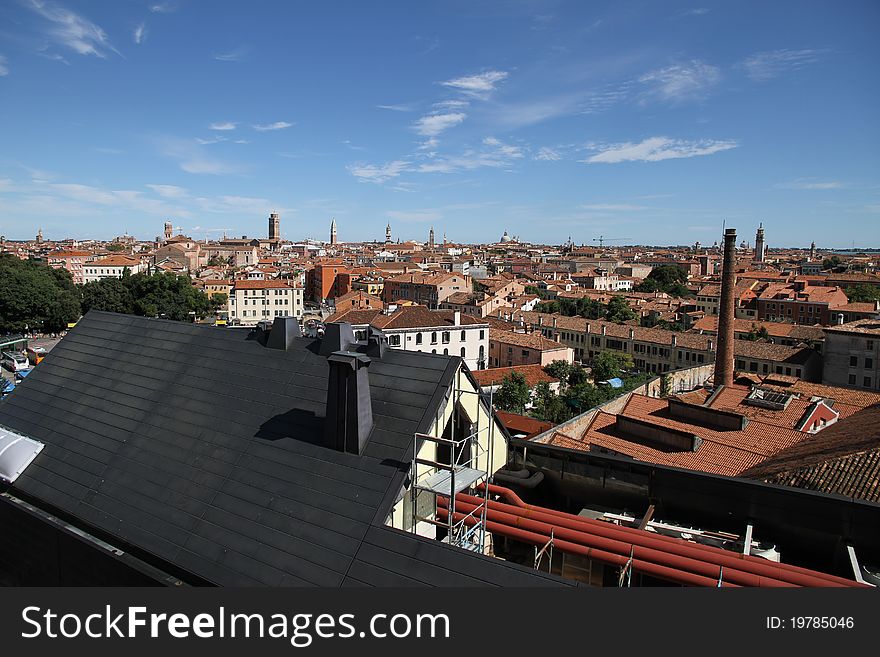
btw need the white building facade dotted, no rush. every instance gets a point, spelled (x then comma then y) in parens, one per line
(252, 301)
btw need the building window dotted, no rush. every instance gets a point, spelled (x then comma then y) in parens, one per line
(869, 363)
(418, 338)
(867, 382)
(394, 340)
(462, 352)
(869, 345)
(525, 353)
(434, 339)
(853, 361)
(482, 334)
(852, 379)
(445, 337)
(446, 352)
(463, 336)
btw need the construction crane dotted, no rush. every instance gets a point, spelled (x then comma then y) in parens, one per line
(602, 239)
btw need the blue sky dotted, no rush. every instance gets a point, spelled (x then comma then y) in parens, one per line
(648, 122)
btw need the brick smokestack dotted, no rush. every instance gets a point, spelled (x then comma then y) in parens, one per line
(724, 355)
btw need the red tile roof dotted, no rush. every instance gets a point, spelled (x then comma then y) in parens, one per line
(534, 375)
(264, 285)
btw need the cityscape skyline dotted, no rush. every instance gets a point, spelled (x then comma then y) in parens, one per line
(548, 120)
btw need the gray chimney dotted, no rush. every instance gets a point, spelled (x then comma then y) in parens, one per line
(283, 332)
(349, 415)
(338, 336)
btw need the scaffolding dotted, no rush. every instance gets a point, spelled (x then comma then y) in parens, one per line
(463, 472)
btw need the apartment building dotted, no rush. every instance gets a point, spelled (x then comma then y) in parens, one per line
(799, 303)
(72, 261)
(111, 267)
(327, 280)
(416, 328)
(253, 301)
(425, 289)
(509, 349)
(659, 351)
(851, 355)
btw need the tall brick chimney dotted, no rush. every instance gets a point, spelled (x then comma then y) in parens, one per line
(724, 355)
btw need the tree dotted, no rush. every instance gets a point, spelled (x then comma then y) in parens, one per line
(577, 375)
(618, 310)
(671, 279)
(549, 406)
(559, 369)
(756, 333)
(151, 295)
(609, 364)
(110, 294)
(116, 247)
(35, 297)
(832, 263)
(583, 397)
(513, 395)
(862, 293)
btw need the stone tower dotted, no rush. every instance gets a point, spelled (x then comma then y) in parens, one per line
(388, 234)
(333, 233)
(169, 230)
(274, 226)
(759, 244)
(431, 238)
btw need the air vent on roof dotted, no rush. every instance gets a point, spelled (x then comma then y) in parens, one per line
(16, 454)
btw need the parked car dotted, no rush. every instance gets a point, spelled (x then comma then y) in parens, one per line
(15, 361)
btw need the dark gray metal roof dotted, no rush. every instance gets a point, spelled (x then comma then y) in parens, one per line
(196, 447)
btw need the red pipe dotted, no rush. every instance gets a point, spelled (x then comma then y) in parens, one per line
(785, 572)
(644, 540)
(647, 567)
(622, 548)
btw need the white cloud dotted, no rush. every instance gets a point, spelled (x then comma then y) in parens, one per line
(378, 173)
(169, 191)
(432, 125)
(413, 216)
(451, 105)
(807, 184)
(212, 140)
(655, 149)
(479, 85)
(397, 108)
(498, 155)
(4, 66)
(163, 8)
(546, 154)
(237, 55)
(72, 30)
(278, 125)
(223, 125)
(140, 33)
(192, 158)
(681, 82)
(770, 64)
